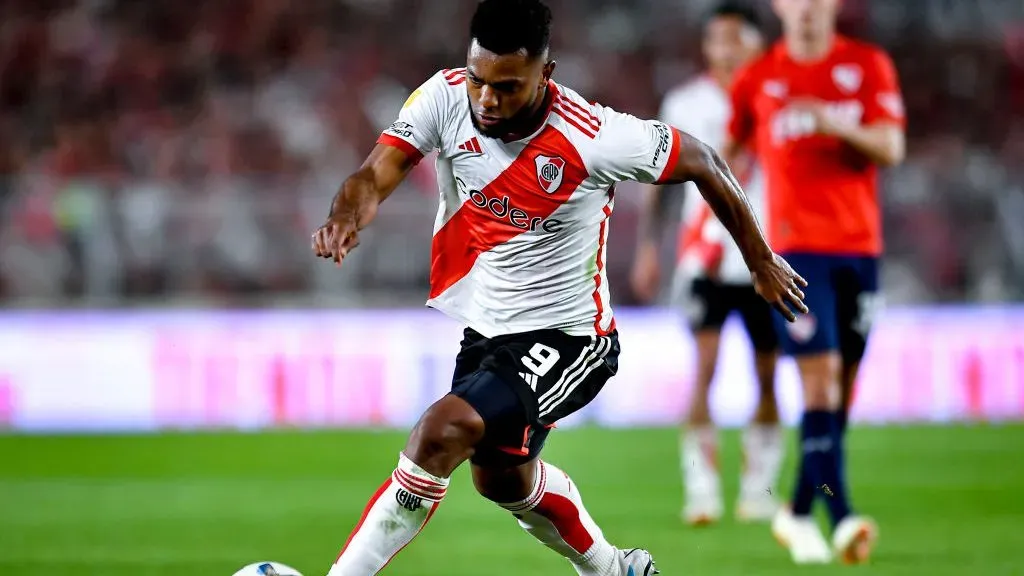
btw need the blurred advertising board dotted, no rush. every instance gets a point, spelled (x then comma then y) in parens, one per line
(104, 371)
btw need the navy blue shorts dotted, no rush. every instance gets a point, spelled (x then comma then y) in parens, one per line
(521, 384)
(842, 295)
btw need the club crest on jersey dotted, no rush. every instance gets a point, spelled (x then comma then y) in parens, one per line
(775, 88)
(549, 172)
(847, 77)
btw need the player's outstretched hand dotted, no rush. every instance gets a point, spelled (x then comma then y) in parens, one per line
(777, 282)
(336, 238)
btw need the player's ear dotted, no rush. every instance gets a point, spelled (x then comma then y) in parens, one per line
(549, 69)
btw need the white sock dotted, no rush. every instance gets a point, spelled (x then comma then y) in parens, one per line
(392, 518)
(698, 448)
(554, 514)
(762, 459)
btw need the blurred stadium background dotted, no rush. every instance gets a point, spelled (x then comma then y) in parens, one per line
(162, 164)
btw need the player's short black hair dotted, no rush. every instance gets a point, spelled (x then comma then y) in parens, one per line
(735, 9)
(507, 26)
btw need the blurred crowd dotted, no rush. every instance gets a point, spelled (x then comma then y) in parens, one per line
(158, 150)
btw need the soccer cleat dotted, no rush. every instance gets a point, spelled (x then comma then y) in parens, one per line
(702, 510)
(636, 562)
(802, 537)
(854, 538)
(756, 508)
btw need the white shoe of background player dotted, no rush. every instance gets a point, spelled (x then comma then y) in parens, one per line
(702, 509)
(854, 538)
(802, 537)
(757, 507)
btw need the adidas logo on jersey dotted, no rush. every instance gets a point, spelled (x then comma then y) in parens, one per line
(471, 145)
(530, 379)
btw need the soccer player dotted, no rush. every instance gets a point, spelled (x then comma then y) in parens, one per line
(525, 170)
(713, 282)
(823, 112)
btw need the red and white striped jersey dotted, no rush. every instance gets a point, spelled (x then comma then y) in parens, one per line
(519, 238)
(702, 108)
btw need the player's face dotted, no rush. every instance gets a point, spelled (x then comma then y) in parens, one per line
(504, 89)
(729, 42)
(807, 18)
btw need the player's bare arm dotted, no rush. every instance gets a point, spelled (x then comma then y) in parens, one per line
(654, 215)
(884, 143)
(653, 222)
(355, 204)
(773, 277)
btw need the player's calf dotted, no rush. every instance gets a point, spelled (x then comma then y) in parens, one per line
(820, 438)
(763, 453)
(443, 438)
(698, 441)
(701, 482)
(550, 508)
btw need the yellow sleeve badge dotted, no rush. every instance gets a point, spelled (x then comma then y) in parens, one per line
(412, 97)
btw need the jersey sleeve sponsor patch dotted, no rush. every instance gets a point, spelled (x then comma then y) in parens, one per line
(417, 129)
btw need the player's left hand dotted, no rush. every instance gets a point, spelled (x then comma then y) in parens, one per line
(336, 238)
(824, 122)
(777, 282)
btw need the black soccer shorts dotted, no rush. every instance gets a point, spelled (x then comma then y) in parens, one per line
(521, 384)
(710, 303)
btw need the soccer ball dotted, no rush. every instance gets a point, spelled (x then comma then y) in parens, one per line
(267, 569)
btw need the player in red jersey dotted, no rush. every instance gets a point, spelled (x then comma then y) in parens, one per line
(823, 112)
(525, 173)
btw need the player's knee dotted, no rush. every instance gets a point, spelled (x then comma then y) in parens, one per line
(707, 358)
(705, 372)
(819, 374)
(445, 436)
(504, 485)
(765, 363)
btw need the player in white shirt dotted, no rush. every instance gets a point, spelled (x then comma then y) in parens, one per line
(711, 282)
(526, 169)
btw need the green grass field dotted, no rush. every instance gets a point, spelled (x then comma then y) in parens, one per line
(948, 501)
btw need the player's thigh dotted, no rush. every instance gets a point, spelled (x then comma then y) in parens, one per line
(858, 302)
(531, 381)
(705, 306)
(756, 314)
(586, 363)
(507, 424)
(816, 332)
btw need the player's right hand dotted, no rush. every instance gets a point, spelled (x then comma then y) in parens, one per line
(336, 238)
(646, 275)
(777, 282)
